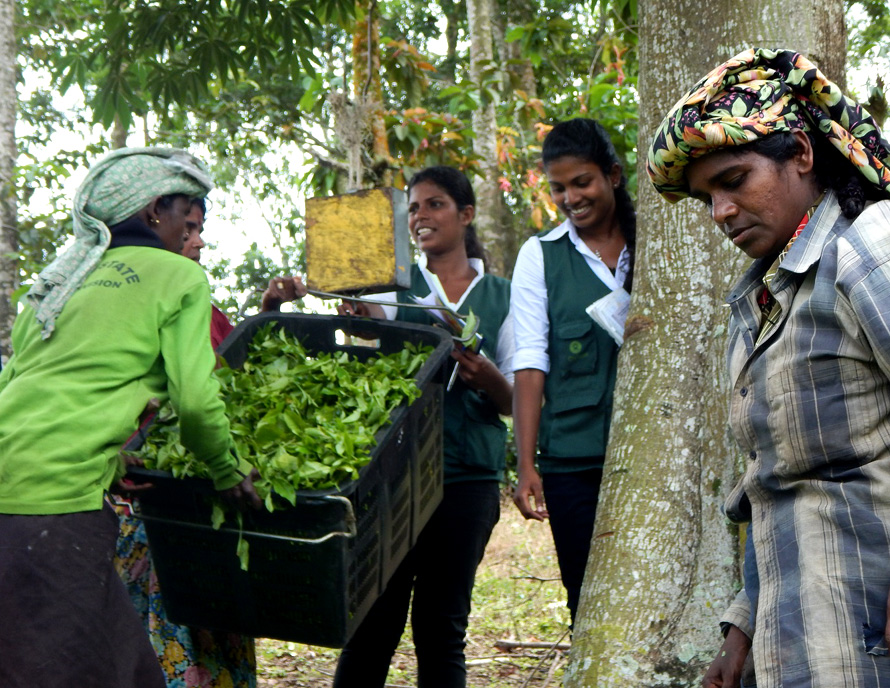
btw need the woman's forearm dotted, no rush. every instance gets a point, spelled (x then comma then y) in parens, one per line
(528, 395)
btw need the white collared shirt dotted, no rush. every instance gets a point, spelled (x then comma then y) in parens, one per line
(529, 300)
(506, 338)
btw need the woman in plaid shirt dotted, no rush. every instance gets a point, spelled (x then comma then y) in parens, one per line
(797, 177)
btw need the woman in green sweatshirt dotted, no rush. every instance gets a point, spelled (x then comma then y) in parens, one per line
(118, 319)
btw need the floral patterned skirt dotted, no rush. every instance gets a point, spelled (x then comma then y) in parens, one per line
(190, 657)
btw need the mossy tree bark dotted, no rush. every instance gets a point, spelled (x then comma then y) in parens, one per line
(8, 225)
(664, 564)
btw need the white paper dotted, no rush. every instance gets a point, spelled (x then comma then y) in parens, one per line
(610, 313)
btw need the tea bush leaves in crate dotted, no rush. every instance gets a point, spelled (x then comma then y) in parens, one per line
(306, 422)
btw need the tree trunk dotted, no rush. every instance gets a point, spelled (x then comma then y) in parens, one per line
(450, 12)
(368, 89)
(8, 226)
(119, 134)
(664, 564)
(519, 68)
(485, 144)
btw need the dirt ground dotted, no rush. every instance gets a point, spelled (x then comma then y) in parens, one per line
(518, 597)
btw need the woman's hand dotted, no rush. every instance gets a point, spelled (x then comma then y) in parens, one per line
(281, 290)
(244, 493)
(361, 309)
(527, 398)
(480, 373)
(726, 669)
(529, 487)
(477, 371)
(127, 485)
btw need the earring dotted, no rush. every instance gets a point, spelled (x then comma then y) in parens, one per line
(153, 221)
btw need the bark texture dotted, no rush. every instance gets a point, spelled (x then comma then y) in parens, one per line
(518, 69)
(485, 144)
(664, 564)
(8, 225)
(449, 11)
(119, 134)
(368, 89)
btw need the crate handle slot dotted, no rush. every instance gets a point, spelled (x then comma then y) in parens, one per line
(344, 339)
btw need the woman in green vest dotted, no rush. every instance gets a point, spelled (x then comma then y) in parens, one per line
(441, 567)
(564, 361)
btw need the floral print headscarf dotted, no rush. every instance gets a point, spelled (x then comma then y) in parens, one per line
(757, 93)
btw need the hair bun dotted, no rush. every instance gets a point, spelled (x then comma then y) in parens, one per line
(851, 198)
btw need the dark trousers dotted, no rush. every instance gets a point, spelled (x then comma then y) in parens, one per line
(441, 569)
(571, 502)
(65, 617)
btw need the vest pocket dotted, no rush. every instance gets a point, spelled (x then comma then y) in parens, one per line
(481, 410)
(475, 435)
(483, 433)
(574, 349)
(590, 395)
(577, 391)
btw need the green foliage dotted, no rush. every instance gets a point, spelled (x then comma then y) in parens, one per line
(305, 422)
(247, 84)
(868, 38)
(39, 179)
(246, 278)
(143, 56)
(545, 35)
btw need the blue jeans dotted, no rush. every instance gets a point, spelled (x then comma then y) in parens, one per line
(441, 569)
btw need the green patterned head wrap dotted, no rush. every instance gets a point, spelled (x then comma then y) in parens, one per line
(116, 188)
(757, 93)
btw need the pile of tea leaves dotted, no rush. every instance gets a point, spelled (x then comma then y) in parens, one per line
(305, 421)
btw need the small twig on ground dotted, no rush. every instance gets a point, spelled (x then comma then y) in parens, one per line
(512, 656)
(558, 661)
(508, 645)
(543, 659)
(535, 578)
(491, 660)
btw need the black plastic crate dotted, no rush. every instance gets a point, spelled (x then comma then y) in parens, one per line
(316, 568)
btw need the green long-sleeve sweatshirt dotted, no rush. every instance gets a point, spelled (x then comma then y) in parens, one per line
(136, 329)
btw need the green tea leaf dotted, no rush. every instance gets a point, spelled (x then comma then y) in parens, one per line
(218, 516)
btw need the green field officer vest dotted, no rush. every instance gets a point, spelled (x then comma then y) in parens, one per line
(578, 389)
(475, 436)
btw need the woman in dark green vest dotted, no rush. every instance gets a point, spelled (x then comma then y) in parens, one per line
(564, 361)
(441, 568)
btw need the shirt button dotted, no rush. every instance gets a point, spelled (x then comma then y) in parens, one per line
(752, 454)
(743, 391)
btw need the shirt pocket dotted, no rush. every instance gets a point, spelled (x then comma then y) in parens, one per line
(828, 417)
